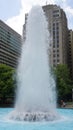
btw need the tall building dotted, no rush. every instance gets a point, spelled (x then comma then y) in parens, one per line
(24, 27)
(57, 25)
(10, 45)
(70, 52)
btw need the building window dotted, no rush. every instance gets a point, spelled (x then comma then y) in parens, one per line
(57, 40)
(55, 15)
(57, 55)
(53, 28)
(55, 11)
(57, 24)
(57, 50)
(53, 45)
(53, 37)
(53, 24)
(58, 60)
(53, 32)
(53, 51)
(54, 61)
(57, 27)
(57, 45)
(54, 55)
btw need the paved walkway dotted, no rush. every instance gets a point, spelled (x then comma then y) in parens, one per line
(69, 105)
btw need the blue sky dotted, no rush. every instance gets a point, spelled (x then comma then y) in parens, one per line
(12, 12)
(9, 8)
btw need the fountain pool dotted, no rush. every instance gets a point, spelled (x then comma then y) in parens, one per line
(65, 123)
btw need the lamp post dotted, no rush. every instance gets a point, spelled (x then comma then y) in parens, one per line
(72, 94)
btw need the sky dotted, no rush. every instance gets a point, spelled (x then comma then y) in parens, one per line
(12, 12)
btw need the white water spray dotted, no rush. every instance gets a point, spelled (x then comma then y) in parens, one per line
(36, 95)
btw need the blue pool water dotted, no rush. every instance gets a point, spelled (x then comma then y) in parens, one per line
(66, 123)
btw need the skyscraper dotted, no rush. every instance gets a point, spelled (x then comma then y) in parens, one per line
(10, 45)
(70, 52)
(57, 25)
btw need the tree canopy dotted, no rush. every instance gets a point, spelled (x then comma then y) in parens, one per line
(7, 82)
(64, 83)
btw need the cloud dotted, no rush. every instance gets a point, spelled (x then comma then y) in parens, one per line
(17, 22)
(69, 14)
(69, 10)
(34, 2)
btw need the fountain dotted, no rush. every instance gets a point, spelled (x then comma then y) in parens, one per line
(36, 94)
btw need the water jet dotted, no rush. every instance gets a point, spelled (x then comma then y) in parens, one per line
(36, 92)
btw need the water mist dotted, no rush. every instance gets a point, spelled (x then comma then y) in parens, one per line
(36, 95)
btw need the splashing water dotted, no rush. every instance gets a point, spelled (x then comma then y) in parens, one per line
(36, 95)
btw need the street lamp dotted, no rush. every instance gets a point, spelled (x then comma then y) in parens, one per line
(72, 94)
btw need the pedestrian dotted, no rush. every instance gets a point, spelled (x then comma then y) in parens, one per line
(63, 104)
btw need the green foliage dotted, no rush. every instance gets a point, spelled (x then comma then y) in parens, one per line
(64, 84)
(7, 82)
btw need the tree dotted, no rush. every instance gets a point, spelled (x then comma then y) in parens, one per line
(7, 82)
(64, 84)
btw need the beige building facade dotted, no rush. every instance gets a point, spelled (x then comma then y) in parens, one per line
(57, 25)
(70, 52)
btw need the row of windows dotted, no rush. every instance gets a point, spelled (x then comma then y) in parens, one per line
(56, 26)
(7, 53)
(8, 33)
(6, 43)
(9, 50)
(10, 41)
(55, 55)
(7, 60)
(55, 61)
(7, 63)
(56, 32)
(56, 15)
(8, 47)
(56, 45)
(56, 11)
(55, 50)
(8, 57)
(56, 38)
(3, 30)
(9, 36)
